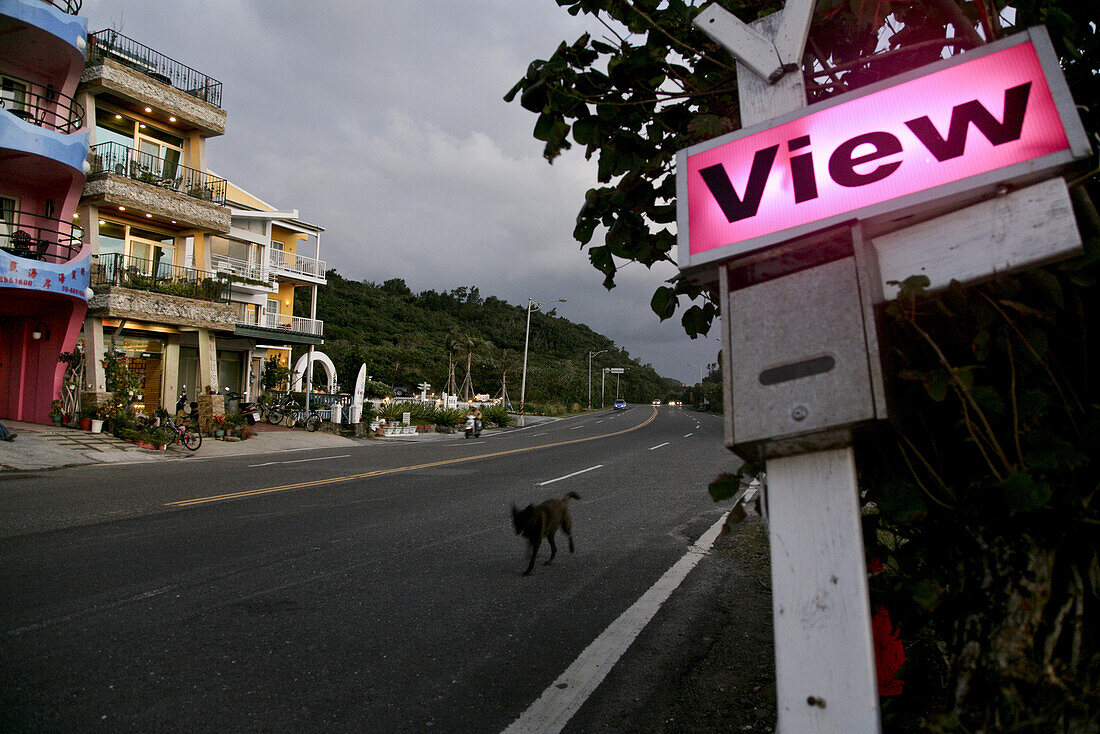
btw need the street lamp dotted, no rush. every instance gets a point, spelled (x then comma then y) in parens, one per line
(590, 356)
(689, 364)
(531, 306)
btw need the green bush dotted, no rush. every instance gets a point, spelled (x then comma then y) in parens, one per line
(450, 417)
(496, 415)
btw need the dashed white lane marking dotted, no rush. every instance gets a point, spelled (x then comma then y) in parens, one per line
(582, 471)
(651, 448)
(552, 711)
(299, 461)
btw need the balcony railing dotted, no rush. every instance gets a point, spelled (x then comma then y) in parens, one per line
(302, 325)
(123, 160)
(43, 106)
(72, 7)
(110, 44)
(242, 271)
(140, 274)
(289, 262)
(39, 238)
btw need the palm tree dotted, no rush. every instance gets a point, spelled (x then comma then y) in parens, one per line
(468, 346)
(453, 346)
(503, 361)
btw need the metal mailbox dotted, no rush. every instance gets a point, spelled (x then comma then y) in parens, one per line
(801, 347)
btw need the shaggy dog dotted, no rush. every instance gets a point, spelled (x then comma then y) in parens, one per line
(536, 522)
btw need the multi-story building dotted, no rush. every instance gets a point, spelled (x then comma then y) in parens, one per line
(44, 265)
(185, 280)
(267, 255)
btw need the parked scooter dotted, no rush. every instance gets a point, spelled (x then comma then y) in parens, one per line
(246, 408)
(183, 410)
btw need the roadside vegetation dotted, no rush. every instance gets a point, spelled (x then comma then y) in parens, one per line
(981, 507)
(467, 344)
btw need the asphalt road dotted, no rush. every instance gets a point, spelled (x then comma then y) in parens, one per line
(376, 588)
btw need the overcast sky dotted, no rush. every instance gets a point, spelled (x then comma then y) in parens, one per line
(383, 122)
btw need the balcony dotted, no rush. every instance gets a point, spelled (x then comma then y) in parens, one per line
(298, 324)
(72, 7)
(277, 328)
(45, 107)
(110, 44)
(40, 238)
(293, 264)
(167, 174)
(243, 273)
(140, 274)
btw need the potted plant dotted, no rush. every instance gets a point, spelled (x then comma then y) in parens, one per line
(55, 412)
(86, 416)
(97, 419)
(219, 425)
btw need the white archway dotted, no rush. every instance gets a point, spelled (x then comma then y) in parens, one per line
(300, 370)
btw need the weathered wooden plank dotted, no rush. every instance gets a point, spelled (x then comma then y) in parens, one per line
(825, 667)
(1020, 229)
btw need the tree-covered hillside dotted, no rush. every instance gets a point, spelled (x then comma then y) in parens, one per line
(406, 338)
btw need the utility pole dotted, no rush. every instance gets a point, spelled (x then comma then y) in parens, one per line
(590, 356)
(531, 306)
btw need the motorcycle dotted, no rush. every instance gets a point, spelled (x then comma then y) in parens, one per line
(473, 426)
(183, 410)
(246, 408)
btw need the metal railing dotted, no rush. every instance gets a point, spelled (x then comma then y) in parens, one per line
(290, 262)
(318, 401)
(110, 44)
(72, 7)
(116, 269)
(300, 324)
(42, 106)
(123, 160)
(39, 238)
(241, 270)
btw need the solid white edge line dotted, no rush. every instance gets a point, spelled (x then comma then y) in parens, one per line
(582, 471)
(556, 706)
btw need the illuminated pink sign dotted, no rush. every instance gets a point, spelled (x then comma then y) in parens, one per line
(838, 160)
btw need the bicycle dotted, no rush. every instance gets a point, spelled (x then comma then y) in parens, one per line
(182, 433)
(281, 410)
(311, 422)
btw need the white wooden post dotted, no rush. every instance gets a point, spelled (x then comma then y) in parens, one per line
(824, 653)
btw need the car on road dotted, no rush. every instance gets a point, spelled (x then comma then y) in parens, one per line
(656, 402)
(620, 404)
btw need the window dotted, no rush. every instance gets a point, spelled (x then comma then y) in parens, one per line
(153, 253)
(8, 220)
(13, 95)
(157, 152)
(157, 250)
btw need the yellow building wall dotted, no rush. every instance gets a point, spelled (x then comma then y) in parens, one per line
(242, 196)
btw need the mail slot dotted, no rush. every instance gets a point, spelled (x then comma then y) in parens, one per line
(802, 347)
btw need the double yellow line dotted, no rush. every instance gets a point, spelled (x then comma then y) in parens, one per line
(395, 470)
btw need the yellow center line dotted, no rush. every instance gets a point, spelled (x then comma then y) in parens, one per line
(395, 470)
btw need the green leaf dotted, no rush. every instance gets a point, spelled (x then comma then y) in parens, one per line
(664, 302)
(928, 594)
(1024, 492)
(937, 384)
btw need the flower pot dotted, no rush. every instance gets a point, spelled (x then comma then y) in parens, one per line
(56, 419)
(97, 425)
(85, 424)
(219, 433)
